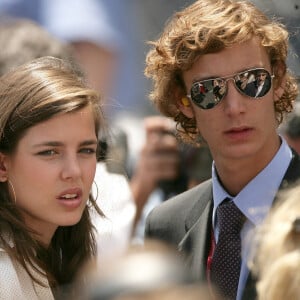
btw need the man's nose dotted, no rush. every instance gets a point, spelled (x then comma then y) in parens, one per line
(234, 101)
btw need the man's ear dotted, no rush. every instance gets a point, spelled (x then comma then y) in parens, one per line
(279, 81)
(3, 167)
(279, 88)
(185, 107)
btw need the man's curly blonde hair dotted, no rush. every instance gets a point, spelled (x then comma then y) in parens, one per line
(209, 26)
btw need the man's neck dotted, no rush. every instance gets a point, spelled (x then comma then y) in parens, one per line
(235, 174)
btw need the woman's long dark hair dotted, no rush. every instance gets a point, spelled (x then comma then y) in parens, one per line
(30, 94)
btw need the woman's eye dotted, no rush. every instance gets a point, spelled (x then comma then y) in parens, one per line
(47, 152)
(87, 150)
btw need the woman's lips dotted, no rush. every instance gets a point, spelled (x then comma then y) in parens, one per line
(70, 198)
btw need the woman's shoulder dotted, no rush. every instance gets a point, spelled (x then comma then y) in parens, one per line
(8, 278)
(15, 282)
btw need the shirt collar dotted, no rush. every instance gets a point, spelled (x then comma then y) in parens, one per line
(256, 198)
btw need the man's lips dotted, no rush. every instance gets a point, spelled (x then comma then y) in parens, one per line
(238, 133)
(238, 129)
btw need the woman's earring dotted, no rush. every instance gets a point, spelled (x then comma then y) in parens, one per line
(95, 192)
(12, 190)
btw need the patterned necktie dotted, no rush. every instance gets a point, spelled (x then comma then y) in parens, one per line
(226, 260)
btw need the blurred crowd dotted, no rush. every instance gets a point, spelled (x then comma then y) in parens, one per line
(143, 163)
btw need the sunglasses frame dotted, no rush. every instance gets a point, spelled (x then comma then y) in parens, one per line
(225, 80)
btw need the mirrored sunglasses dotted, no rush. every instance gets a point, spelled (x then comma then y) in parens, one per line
(253, 83)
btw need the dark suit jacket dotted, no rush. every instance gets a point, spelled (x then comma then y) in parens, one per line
(185, 221)
(251, 88)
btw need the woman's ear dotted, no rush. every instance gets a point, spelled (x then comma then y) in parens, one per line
(3, 168)
(185, 107)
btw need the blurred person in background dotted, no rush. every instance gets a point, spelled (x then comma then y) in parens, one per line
(103, 40)
(164, 169)
(152, 272)
(276, 259)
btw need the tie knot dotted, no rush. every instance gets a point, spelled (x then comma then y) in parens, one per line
(229, 217)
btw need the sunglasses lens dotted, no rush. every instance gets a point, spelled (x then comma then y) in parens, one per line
(254, 83)
(207, 94)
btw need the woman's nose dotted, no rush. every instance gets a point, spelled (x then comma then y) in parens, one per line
(71, 168)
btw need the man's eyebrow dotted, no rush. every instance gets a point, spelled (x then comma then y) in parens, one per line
(198, 79)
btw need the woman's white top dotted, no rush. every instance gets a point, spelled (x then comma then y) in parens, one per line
(16, 284)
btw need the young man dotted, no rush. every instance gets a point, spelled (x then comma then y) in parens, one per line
(220, 42)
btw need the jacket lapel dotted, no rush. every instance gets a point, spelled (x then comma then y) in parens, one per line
(196, 242)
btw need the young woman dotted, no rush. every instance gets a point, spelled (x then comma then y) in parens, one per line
(48, 143)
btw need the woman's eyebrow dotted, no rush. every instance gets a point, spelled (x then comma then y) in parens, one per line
(89, 142)
(58, 143)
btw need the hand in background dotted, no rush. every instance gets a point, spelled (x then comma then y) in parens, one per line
(159, 159)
